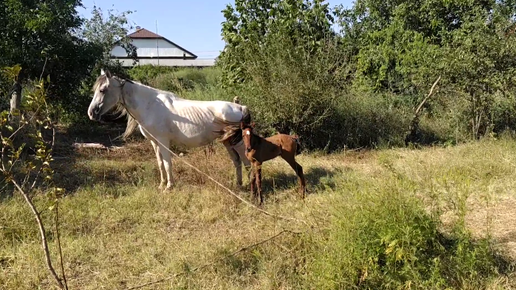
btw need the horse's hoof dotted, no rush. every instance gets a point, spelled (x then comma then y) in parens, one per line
(168, 188)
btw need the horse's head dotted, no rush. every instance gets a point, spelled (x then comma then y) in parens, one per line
(107, 93)
(247, 135)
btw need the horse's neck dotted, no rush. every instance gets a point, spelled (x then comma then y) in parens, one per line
(137, 97)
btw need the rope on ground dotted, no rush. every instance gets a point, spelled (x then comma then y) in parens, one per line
(213, 263)
(226, 188)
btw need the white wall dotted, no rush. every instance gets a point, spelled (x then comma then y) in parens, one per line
(170, 62)
(148, 48)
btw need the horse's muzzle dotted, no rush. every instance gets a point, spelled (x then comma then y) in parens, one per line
(94, 114)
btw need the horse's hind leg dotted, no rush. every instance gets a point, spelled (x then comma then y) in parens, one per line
(236, 162)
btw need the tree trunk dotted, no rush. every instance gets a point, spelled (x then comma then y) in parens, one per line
(16, 94)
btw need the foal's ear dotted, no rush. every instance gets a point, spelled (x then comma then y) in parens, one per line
(242, 125)
(252, 125)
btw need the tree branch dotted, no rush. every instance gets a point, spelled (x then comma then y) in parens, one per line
(42, 233)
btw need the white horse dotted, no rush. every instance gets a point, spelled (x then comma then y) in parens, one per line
(163, 118)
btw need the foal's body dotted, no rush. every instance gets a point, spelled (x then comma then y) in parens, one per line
(259, 150)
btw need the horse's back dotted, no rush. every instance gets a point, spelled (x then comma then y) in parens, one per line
(221, 110)
(227, 111)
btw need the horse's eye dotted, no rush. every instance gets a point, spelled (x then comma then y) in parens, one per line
(103, 90)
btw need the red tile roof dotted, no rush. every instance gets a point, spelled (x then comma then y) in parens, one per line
(144, 33)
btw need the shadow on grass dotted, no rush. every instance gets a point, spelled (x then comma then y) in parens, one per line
(317, 179)
(71, 174)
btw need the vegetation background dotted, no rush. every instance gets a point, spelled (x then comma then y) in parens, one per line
(399, 198)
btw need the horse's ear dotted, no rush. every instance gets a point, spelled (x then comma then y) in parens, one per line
(242, 125)
(106, 72)
(252, 125)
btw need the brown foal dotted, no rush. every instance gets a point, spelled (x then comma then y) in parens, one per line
(259, 150)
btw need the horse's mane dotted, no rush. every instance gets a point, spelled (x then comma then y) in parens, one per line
(119, 108)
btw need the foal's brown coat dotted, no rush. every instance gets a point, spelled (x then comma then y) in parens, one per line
(259, 150)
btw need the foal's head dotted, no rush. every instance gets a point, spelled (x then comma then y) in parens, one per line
(247, 135)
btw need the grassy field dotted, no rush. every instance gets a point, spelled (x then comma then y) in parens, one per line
(434, 218)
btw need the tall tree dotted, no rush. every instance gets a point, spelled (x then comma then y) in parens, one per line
(254, 24)
(402, 46)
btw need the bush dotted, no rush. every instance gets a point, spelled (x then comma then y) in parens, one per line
(294, 91)
(145, 73)
(383, 238)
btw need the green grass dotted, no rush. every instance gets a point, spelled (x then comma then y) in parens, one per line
(435, 218)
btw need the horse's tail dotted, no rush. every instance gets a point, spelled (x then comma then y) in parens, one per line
(233, 132)
(299, 147)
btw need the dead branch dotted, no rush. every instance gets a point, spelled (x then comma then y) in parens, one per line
(414, 124)
(214, 262)
(95, 145)
(418, 110)
(43, 235)
(58, 239)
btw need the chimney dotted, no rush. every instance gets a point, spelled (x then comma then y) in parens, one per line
(138, 27)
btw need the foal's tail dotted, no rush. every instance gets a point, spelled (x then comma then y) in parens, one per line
(299, 147)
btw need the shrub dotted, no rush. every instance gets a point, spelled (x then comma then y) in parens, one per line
(145, 73)
(383, 238)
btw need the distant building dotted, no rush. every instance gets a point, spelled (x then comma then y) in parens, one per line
(157, 50)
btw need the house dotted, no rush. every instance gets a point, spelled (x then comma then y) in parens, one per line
(157, 50)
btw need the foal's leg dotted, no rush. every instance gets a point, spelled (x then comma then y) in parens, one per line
(297, 168)
(236, 162)
(160, 164)
(253, 181)
(258, 173)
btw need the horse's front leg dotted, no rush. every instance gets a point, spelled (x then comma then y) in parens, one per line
(161, 168)
(235, 158)
(167, 161)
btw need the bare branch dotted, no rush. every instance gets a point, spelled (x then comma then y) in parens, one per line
(427, 97)
(42, 233)
(60, 250)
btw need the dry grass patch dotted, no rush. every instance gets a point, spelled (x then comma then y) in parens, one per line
(119, 231)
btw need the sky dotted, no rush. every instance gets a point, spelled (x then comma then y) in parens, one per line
(192, 24)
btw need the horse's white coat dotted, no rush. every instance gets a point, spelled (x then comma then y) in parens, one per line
(163, 118)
